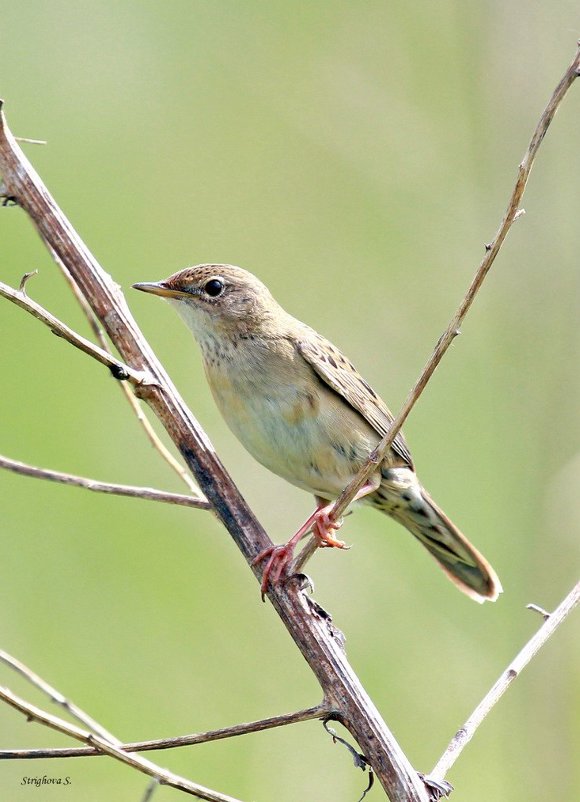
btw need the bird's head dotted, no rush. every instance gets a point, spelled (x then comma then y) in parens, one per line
(217, 299)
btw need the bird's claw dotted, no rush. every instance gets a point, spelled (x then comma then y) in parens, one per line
(323, 528)
(279, 558)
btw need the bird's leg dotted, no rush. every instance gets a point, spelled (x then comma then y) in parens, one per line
(279, 557)
(322, 525)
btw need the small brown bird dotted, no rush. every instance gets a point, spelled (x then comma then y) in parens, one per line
(303, 411)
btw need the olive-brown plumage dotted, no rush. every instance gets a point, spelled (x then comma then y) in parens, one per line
(303, 410)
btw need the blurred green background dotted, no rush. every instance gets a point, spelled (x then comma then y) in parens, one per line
(356, 156)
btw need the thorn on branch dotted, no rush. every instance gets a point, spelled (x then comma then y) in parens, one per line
(29, 141)
(488, 246)
(8, 200)
(537, 609)
(24, 280)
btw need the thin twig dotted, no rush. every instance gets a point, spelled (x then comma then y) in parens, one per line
(57, 697)
(147, 493)
(537, 609)
(29, 141)
(165, 777)
(453, 329)
(465, 734)
(152, 435)
(119, 369)
(308, 714)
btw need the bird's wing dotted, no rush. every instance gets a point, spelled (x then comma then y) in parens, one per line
(341, 376)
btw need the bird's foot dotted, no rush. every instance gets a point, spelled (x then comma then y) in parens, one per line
(278, 559)
(324, 526)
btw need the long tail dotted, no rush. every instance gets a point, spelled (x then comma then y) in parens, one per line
(402, 497)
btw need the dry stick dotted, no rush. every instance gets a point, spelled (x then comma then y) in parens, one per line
(57, 697)
(147, 493)
(320, 711)
(313, 633)
(30, 141)
(453, 329)
(120, 369)
(465, 734)
(152, 436)
(163, 776)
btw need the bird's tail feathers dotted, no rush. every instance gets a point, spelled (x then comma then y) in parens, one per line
(402, 497)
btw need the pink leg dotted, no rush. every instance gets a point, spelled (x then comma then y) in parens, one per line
(322, 525)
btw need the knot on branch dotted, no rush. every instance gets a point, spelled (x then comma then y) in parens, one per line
(437, 788)
(119, 372)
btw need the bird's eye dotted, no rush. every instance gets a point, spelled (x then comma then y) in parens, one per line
(214, 287)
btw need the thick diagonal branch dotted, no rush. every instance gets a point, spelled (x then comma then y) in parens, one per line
(311, 631)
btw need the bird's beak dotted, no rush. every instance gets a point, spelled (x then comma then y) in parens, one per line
(159, 288)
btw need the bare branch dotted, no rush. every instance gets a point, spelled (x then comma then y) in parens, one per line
(163, 776)
(57, 697)
(118, 368)
(147, 493)
(453, 329)
(320, 711)
(466, 733)
(152, 436)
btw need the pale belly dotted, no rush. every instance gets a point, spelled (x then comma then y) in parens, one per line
(312, 439)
